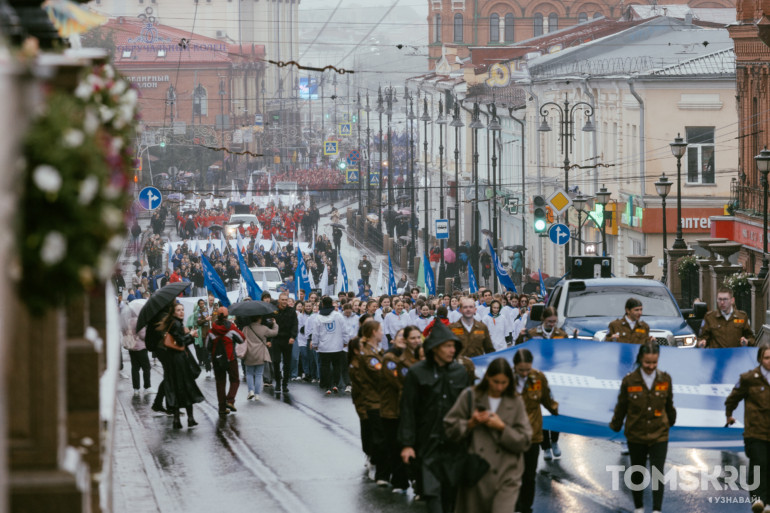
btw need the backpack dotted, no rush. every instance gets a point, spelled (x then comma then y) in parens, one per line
(219, 359)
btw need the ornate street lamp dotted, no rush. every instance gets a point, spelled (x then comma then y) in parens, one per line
(425, 118)
(678, 148)
(457, 123)
(603, 198)
(663, 187)
(763, 164)
(495, 127)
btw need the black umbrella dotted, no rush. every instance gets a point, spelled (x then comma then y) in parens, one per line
(486, 232)
(215, 227)
(338, 225)
(252, 308)
(159, 302)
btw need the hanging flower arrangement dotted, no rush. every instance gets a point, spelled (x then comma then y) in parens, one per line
(739, 283)
(77, 163)
(687, 265)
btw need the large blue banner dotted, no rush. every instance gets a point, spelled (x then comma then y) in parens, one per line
(585, 379)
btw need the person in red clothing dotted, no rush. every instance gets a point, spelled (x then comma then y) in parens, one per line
(175, 276)
(441, 316)
(225, 333)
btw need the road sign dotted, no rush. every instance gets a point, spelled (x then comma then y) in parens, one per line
(352, 175)
(559, 200)
(374, 178)
(442, 229)
(331, 147)
(345, 117)
(345, 129)
(559, 234)
(150, 198)
(353, 157)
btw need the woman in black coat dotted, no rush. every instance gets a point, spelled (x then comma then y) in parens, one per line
(181, 369)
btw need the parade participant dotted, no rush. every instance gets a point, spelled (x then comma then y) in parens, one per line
(282, 346)
(424, 317)
(224, 333)
(753, 388)
(473, 334)
(257, 354)
(482, 307)
(202, 320)
(454, 313)
(430, 390)
(178, 378)
(646, 402)
(631, 329)
(497, 325)
(495, 420)
(384, 303)
(726, 326)
(532, 386)
(329, 339)
(394, 321)
(365, 267)
(441, 316)
(366, 375)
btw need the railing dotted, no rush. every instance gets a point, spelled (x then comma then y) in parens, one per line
(747, 197)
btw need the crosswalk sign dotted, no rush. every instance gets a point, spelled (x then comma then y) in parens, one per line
(345, 129)
(374, 178)
(331, 148)
(352, 175)
(345, 117)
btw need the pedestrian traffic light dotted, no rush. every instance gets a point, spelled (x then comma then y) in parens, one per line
(342, 165)
(539, 213)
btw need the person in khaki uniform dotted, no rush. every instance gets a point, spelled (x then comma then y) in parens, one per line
(547, 329)
(726, 326)
(473, 334)
(631, 329)
(532, 386)
(646, 402)
(753, 387)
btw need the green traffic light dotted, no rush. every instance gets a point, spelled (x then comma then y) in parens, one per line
(163, 144)
(342, 165)
(539, 225)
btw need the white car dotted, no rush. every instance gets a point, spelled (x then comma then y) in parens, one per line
(231, 227)
(270, 276)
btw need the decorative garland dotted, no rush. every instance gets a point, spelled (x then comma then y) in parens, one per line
(76, 187)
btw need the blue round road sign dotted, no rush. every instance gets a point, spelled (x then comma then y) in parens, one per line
(353, 157)
(559, 234)
(150, 198)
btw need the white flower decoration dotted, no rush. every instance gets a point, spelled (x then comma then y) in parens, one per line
(88, 189)
(47, 179)
(73, 138)
(106, 113)
(54, 248)
(83, 90)
(105, 264)
(112, 217)
(91, 121)
(119, 87)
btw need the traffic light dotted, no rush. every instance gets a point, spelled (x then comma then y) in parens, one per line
(341, 164)
(539, 213)
(354, 118)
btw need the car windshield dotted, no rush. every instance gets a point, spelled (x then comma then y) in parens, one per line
(610, 301)
(269, 275)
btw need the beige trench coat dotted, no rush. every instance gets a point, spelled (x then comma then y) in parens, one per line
(498, 490)
(257, 351)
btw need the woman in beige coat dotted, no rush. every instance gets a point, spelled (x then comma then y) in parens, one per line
(499, 432)
(257, 353)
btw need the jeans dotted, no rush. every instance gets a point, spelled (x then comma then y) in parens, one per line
(220, 375)
(295, 350)
(638, 454)
(140, 360)
(758, 452)
(254, 377)
(309, 360)
(281, 351)
(330, 369)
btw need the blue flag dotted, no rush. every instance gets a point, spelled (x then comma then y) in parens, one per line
(542, 284)
(392, 290)
(344, 285)
(430, 280)
(472, 285)
(255, 292)
(303, 282)
(170, 254)
(502, 274)
(213, 282)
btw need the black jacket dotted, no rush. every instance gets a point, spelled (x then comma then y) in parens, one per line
(287, 324)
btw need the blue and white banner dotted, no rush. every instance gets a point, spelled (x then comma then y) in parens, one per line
(472, 284)
(213, 282)
(255, 292)
(585, 378)
(430, 280)
(502, 274)
(542, 284)
(303, 282)
(392, 289)
(344, 273)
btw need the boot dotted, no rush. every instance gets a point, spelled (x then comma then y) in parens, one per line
(177, 423)
(190, 419)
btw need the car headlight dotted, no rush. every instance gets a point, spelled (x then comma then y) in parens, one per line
(686, 340)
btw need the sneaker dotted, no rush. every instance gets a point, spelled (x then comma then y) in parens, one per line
(639, 510)
(158, 409)
(209, 375)
(136, 391)
(250, 396)
(297, 378)
(348, 389)
(399, 490)
(231, 407)
(223, 414)
(315, 380)
(556, 450)
(268, 385)
(547, 455)
(382, 482)
(623, 448)
(335, 390)
(256, 397)
(757, 507)
(328, 392)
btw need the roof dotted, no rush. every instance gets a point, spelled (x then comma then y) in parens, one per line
(140, 42)
(721, 15)
(721, 62)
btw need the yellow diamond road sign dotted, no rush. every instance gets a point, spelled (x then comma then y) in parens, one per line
(559, 201)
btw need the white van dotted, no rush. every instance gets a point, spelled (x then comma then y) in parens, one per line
(269, 275)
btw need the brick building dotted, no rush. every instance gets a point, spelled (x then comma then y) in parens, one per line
(463, 24)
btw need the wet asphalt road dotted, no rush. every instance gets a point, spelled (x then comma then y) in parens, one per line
(300, 453)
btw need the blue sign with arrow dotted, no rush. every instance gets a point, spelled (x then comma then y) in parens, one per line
(150, 198)
(559, 234)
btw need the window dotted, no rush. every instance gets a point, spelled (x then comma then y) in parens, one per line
(200, 101)
(553, 22)
(508, 28)
(582, 17)
(598, 15)
(161, 53)
(437, 28)
(494, 28)
(538, 24)
(458, 35)
(126, 54)
(700, 154)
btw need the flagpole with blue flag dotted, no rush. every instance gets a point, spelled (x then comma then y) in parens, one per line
(542, 284)
(472, 284)
(213, 282)
(255, 292)
(344, 281)
(502, 274)
(303, 282)
(391, 278)
(430, 280)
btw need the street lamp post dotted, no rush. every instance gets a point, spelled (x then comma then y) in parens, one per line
(441, 121)
(222, 121)
(390, 225)
(567, 135)
(603, 198)
(495, 127)
(678, 147)
(763, 164)
(475, 125)
(413, 211)
(425, 118)
(579, 203)
(380, 110)
(360, 185)
(663, 187)
(368, 158)
(457, 123)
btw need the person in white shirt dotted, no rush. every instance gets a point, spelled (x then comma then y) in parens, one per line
(379, 316)
(454, 310)
(482, 308)
(310, 325)
(424, 318)
(329, 339)
(394, 321)
(498, 326)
